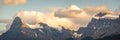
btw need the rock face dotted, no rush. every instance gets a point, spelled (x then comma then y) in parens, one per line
(111, 37)
(21, 31)
(99, 28)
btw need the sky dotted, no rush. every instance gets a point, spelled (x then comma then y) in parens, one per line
(8, 11)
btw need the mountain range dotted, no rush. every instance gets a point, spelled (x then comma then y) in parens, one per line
(101, 28)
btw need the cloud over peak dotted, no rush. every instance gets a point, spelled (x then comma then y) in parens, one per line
(94, 10)
(33, 18)
(71, 17)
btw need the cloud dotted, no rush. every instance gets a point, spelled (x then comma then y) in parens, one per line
(2, 29)
(71, 17)
(5, 20)
(14, 2)
(77, 15)
(33, 18)
(94, 10)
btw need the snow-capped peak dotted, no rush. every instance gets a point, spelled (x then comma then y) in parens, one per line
(111, 16)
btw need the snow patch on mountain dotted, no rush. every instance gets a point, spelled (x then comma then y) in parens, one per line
(107, 17)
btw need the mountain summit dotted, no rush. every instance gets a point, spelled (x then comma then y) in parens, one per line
(20, 31)
(100, 28)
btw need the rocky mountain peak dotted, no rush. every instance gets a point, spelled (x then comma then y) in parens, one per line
(16, 24)
(99, 28)
(18, 31)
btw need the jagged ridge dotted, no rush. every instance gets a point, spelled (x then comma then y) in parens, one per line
(18, 31)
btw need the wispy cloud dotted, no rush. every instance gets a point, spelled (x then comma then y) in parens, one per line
(14, 2)
(5, 20)
(94, 10)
